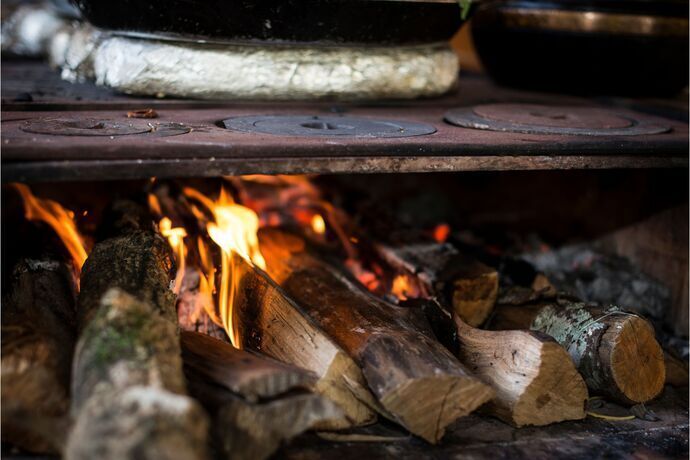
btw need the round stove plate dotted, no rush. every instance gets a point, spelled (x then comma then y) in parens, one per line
(560, 120)
(328, 126)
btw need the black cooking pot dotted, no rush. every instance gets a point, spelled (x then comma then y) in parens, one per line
(617, 47)
(338, 21)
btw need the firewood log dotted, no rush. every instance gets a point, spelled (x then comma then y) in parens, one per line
(139, 263)
(38, 334)
(128, 390)
(456, 279)
(273, 324)
(535, 380)
(615, 351)
(257, 404)
(414, 378)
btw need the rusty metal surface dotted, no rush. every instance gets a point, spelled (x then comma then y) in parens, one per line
(328, 126)
(211, 150)
(561, 120)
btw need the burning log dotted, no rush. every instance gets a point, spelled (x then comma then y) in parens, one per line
(257, 403)
(38, 328)
(615, 351)
(127, 377)
(191, 314)
(276, 326)
(535, 380)
(459, 280)
(418, 382)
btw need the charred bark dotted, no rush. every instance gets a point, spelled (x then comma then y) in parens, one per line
(456, 279)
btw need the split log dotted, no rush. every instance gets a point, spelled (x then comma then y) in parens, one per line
(256, 403)
(615, 351)
(273, 324)
(415, 379)
(128, 392)
(38, 334)
(535, 380)
(458, 280)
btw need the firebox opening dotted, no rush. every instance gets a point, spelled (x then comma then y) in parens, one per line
(374, 274)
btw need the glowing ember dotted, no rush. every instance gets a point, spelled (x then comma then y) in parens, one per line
(58, 218)
(175, 237)
(405, 287)
(234, 229)
(318, 224)
(441, 233)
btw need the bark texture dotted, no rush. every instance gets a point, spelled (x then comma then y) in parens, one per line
(615, 351)
(128, 389)
(38, 334)
(416, 380)
(535, 380)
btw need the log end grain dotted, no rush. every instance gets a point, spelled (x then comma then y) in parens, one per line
(556, 392)
(635, 359)
(426, 406)
(421, 384)
(344, 384)
(535, 379)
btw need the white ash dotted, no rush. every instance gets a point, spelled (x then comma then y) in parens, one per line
(593, 276)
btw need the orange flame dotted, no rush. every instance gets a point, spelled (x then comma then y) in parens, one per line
(58, 218)
(318, 224)
(403, 287)
(175, 236)
(234, 229)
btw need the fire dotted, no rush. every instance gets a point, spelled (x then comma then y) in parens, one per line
(235, 230)
(61, 220)
(318, 224)
(175, 236)
(405, 287)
